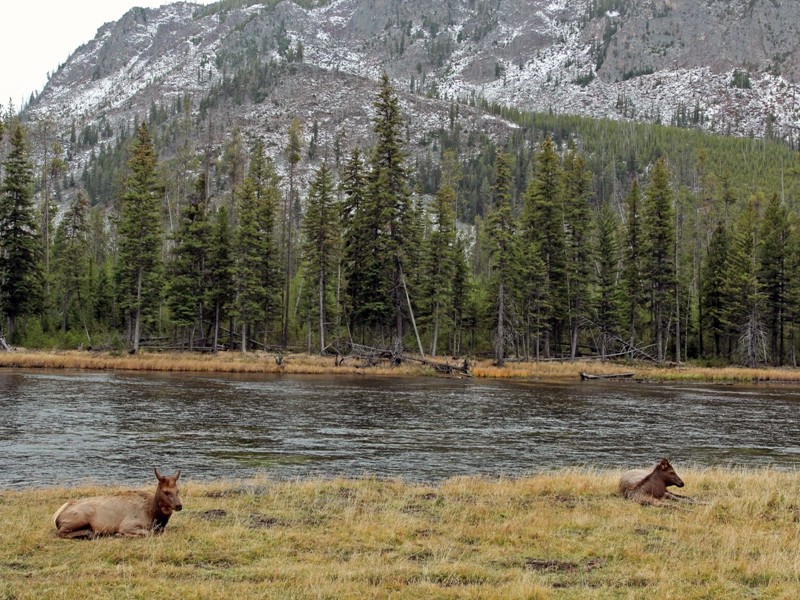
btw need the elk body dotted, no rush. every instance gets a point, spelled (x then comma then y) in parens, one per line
(650, 487)
(129, 514)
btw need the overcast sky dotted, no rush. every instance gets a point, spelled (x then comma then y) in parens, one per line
(38, 35)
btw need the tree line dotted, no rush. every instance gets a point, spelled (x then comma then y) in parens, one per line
(533, 260)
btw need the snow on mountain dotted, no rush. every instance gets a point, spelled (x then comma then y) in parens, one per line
(728, 67)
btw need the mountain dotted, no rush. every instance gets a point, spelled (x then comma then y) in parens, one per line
(725, 66)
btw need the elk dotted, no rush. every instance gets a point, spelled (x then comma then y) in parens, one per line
(650, 487)
(130, 514)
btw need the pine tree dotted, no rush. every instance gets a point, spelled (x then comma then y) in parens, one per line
(608, 301)
(248, 247)
(659, 234)
(744, 297)
(633, 271)
(72, 262)
(20, 269)
(293, 154)
(321, 248)
(257, 271)
(503, 249)
(389, 201)
(773, 274)
(439, 263)
(713, 297)
(579, 250)
(220, 271)
(187, 273)
(544, 227)
(363, 268)
(139, 267)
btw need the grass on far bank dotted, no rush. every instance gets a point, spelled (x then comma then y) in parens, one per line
(307, 364)
(562, 534)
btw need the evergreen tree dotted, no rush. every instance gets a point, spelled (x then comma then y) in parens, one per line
(321, 248)
(72, 262)
(139, 266)
(773, 274)
(268, 195)
(20, 269)
(744, 296)
(293, 154)
(659, 234)
(363, 268)
(250, 292)
(608, 301)
(544, 227)
(220, 271)
(713, 297)
(439, 263)
(503, 249)
(389, 200)
(256, 271)
(579, 250)
(633, 270)
(187, 280)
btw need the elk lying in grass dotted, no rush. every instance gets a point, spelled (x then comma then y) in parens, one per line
(127, 514)
(650, 487)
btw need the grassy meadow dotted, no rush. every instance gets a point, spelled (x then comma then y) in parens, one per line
(307, 364)
(561, 534)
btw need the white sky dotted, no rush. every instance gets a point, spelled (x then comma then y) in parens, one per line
(38, 35)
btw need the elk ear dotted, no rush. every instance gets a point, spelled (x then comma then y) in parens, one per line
(177, 474)
(158, 475)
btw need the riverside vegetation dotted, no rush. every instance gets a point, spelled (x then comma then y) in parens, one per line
(562, 534)
(571, 237)
(308, 364)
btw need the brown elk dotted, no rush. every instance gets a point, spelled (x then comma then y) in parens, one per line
(650, 487)
(129, 514)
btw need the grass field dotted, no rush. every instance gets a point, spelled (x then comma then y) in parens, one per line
(562, 534)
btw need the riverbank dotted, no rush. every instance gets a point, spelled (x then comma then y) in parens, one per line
(306, 364)
(562, 534)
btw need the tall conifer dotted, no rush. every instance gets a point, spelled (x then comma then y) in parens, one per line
(321, 249)
(139, 266)
(396, 234)
(659, 234)
(20, 270)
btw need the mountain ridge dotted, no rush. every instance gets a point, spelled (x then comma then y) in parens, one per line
(726, 67)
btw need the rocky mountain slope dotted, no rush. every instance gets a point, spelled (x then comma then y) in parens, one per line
(728, 66)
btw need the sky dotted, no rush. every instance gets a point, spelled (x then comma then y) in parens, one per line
(39, 35)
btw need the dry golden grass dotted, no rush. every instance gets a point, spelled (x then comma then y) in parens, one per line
(226, 362)
(306, 364)
(557, 535)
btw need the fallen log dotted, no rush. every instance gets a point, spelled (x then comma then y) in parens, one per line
(585, 376)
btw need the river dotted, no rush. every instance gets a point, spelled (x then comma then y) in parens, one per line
(69, 428)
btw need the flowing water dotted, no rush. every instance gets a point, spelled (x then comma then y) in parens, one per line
(65, 428)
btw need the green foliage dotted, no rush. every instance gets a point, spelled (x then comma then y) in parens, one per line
(139, 265)
(321, 249)
(21, 277)
(72, 264)
(187, 280)
(741, 80)
(659, 264)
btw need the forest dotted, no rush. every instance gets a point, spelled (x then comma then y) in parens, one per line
(570, 238)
